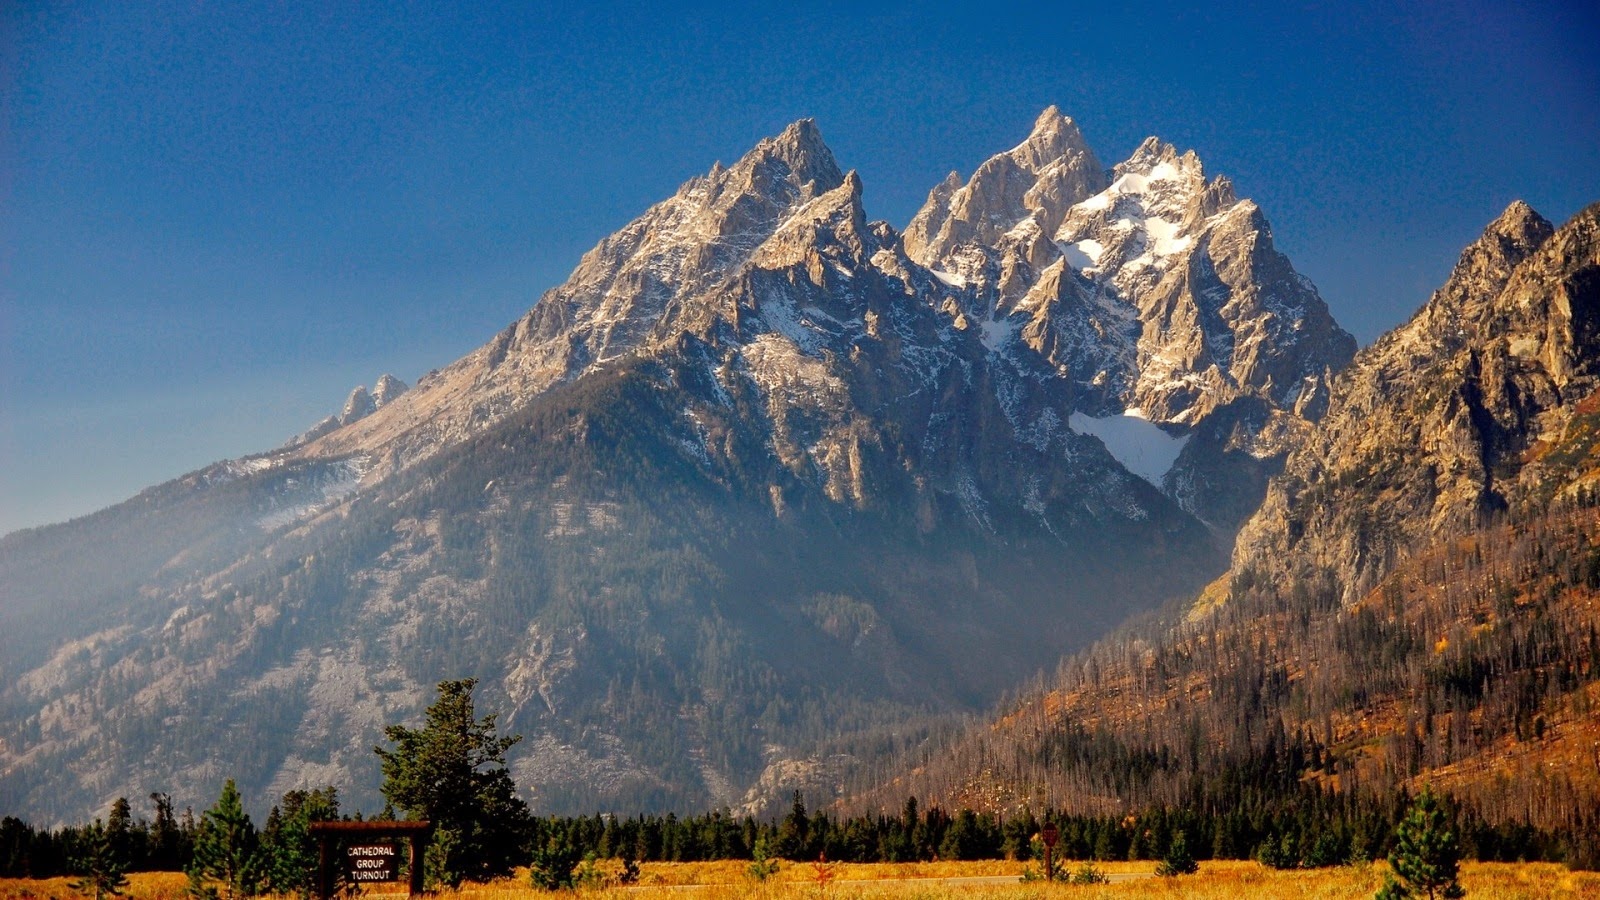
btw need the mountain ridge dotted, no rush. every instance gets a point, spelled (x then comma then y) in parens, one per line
(751, 483)
(1416, 602)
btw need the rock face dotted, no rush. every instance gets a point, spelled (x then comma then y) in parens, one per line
(1443, 420)
(386, 390)
(1415, 603)
(357, 406)
(760, 475)
(1155, 292)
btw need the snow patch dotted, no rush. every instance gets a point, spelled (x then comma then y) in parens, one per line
(998, 333)
(1084, 254)
(1140, 445)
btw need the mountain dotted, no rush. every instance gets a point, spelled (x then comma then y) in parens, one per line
(748, 499)
(1154, 291)
(1417, 600)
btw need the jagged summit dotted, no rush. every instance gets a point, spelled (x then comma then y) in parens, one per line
(752, 447)
(1054, 137)
(1449, 417)
(801, 147)
(387, 389)
(357, 406)
(1147, 287)
(1460, 308)
(1153, 289)
(1040, 177)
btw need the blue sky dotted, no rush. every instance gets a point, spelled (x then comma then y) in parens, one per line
(216, 219)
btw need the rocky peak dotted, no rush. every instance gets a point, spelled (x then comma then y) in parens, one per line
(1037, 179)
(358, 406)
(1448, 417)
(386, 390)
(800, 147)
(1458, 312)
(1054, 137)
(831, 226)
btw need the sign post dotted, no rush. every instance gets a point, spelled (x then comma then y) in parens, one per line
(1049, 835)
(369, 852)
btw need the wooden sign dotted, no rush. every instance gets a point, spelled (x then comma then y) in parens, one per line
(372, 862)
(369, 853)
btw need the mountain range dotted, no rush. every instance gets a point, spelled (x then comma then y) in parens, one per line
(1416, 601)
(766, 490)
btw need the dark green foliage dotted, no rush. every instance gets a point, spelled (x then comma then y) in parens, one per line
(1053, 869)
(1426, 855)
(227, 862)
(793, 832)
(554, 863)
(1178, 860)
(762, 864)
(99, 865)
(289, 850)
(452, 773)
(630, 868)
(1278, 852)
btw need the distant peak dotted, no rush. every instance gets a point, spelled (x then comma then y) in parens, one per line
(1152, 152)
(1522, 223)
(358, 406)
(802, 129)
(802, 137)
(387, 389)
(801, 148)
(1050, 120)
(1053, 136)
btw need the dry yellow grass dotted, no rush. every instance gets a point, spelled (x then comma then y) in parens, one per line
(797, 881)
(141, 886)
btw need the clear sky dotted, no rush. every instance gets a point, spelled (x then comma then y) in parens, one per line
(217, 218)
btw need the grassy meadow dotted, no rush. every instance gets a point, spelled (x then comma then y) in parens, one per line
(799, 881)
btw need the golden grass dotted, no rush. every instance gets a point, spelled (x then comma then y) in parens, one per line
(797, 881)
(141, 886)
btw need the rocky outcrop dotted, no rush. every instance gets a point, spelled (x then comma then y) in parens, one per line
(1449, 418)
(386, 390)
(357, 406)
(1152, 290)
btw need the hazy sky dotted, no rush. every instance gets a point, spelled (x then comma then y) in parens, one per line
(217, 218)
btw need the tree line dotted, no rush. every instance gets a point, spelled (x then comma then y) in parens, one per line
(452, 773)
(1478, 652)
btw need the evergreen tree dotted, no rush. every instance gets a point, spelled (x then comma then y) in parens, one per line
(1425, 856)
(100, 867)
(226, 864)
(289, 851)
(1178, 860)
(762, 865)
(168, 851)
(554, 864)
(452, 772)
(120, 830)
(794, 831)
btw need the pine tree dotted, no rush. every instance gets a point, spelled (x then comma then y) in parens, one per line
(100, 867)
(167, 849)
(119, 830)
(794, 831)
(1425, 856)
(289, 852)
(226, 862)
(1178, 861)
(452, 772)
